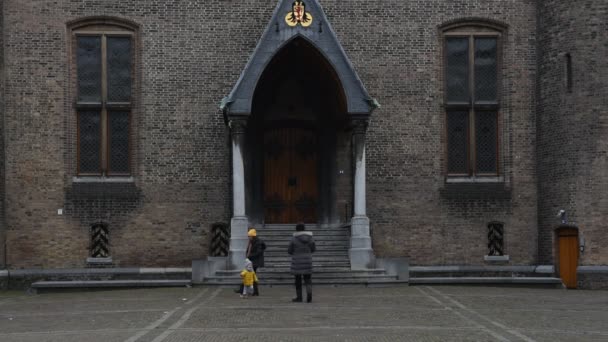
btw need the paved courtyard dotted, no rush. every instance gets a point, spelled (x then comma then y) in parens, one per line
(417, 313)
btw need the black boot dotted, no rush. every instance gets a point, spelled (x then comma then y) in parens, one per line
(298, 298)
(308, 293)
(256, 291)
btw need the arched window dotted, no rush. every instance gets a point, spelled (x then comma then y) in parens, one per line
(472, 98)
(104, 66)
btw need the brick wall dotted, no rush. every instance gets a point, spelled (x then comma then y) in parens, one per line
(182, 175)
(394, 46)
(2, 184)
(573, 125)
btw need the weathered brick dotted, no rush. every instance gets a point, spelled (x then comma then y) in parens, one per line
(2, 150)
(192, 54)
(573, 125)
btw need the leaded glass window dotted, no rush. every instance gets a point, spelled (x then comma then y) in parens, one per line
(119, 69)
(458, 69)
(486, 139)
(89, 140)
(118, 128)
(104, 66)
(472, 103)
(89, 69)
(485, 70)
(458, 134)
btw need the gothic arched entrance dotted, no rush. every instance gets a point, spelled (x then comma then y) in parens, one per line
(297, 118)
(299, 84)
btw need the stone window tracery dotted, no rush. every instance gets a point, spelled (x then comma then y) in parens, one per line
(472, 100)
(103, 61)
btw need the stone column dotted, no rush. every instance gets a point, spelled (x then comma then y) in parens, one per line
(361, 253)
(239, 222)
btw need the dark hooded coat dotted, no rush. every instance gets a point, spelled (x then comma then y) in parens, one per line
(256, 252)
(301, 247)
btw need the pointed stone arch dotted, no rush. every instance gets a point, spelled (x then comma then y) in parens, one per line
(296, 57)
(277, 35)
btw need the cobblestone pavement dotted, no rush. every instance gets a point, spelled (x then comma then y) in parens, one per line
(417, 313)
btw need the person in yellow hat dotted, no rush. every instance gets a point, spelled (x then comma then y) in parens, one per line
(255, 253)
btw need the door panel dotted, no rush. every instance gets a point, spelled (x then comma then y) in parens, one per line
(290, 175)
(304, 168)
(276, 174)
(568, 259)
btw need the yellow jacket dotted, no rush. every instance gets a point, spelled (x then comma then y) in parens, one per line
(249, 277)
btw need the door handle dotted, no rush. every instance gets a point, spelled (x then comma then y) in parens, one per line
(292, 181)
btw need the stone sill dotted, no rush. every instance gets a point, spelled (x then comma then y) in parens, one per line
(100, 187)
(20, 273)
(466, 180)
(103, 179)
(592, 269)
(475, 188)
(496, 258)
(99, 261)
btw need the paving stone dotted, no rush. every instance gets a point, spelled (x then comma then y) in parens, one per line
(417, 313)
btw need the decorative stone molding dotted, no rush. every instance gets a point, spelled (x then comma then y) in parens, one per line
(237, 126)
(300, 23)
(359, 125)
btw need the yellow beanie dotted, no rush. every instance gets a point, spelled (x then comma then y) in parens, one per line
(252, 232)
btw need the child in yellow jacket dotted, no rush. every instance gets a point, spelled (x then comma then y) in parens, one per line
(249, 277)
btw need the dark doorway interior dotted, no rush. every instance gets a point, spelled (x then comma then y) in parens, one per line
(294, 133)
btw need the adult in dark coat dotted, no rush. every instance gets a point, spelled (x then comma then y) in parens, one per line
(255, 253)
(301, 247)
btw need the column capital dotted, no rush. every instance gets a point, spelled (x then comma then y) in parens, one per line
(237, 125)
(359, 125)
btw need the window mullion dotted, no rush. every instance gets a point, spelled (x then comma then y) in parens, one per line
(104, 111)
(472, 137)
(497, 145)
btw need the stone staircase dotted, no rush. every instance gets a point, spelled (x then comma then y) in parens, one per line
(331, 261)
(37, 280)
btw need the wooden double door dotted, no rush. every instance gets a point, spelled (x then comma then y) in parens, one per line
(290, 175)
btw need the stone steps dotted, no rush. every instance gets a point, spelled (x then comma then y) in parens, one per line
(267, 232)
(89, 284)
(328, 270)
(318, 253)
(528, 281)
(481, 272)
(274, 276)
(319, 237)
(315, 264)
(289, 234)
(320, 244)
(332, 247)
(333, 282)
(272, 260)
(331, 261)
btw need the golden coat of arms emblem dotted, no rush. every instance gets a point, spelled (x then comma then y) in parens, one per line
(298, 15)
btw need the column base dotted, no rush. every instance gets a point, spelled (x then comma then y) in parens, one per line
(238, 242)
(360, 226)
(207, 267)
(361, 259)
(361, 252)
